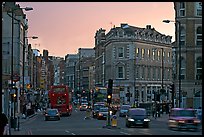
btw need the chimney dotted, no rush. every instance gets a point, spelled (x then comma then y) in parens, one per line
(148, 26)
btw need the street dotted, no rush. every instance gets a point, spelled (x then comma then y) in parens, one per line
(76, 124)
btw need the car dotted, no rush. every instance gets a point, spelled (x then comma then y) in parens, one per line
(123, 110)
(96, 109)
(83, 106)
(103, 113)
(137, 117)
(183, 118)
(52, 114)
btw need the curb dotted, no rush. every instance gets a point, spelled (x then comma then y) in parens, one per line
(27, 118)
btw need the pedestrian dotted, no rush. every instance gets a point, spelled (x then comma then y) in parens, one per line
(154, 111)
(4, 122)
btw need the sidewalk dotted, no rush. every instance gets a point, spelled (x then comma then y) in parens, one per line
(22, 131)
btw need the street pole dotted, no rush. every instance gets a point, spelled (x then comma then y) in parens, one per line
(179, 69)
(179, 99)
(162, 84)
(11, 119)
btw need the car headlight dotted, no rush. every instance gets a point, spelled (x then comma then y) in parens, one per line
(173, 121)
(146, 119)
(181, 121)
(196, 121)
(100, 114)
(130, 119)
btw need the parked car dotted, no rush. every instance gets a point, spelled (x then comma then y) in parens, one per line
(96, 109)
(183, 118)
(137, 117)
(103, 113)
(52, 114)
(123, 110)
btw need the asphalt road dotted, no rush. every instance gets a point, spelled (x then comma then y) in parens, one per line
(76, 124)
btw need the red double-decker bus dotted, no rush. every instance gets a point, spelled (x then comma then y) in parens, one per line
(60, 98)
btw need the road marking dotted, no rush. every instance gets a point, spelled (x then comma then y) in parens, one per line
(67, 131)
(125, 133)
(29, 132)
(73, 134)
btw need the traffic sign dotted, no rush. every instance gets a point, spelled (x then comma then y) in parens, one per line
(16, 77)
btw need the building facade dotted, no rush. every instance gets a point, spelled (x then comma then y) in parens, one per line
(188, 16)
(133, 59)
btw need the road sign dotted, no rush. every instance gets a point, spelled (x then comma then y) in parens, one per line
(16, 77)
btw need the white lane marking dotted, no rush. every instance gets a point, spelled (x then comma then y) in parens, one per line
(125, 133)
(69, 132)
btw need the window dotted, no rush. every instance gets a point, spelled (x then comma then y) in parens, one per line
(168, 74)
(143, 72)
(149, 72)
(199, 36)
(159, 73)
(199, 68)
(143, 53)
(153, 54)
(148, 53)
(120, 72)
(182, 36)
(182, 9)
(169, 56)
(183, 68)
(159, 55)
(154, 73)
(137, 52)
(120, 52)
(198, 8)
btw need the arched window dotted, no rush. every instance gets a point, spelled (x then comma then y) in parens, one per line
(199, 36)
(183, 68)
(199, 68)
(182, 36)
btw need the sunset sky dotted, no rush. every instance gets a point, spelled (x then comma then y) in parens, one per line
(63, 27)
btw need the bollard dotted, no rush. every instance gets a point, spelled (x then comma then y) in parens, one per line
(114, 121)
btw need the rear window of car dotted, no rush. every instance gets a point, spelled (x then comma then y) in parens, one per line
(52, 111)
(125, 107)
(103, 109)
(183, 113)
(137, 112)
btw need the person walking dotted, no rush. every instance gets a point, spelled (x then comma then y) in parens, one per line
(4, 122)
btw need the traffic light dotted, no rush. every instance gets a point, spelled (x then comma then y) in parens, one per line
(14, 95)
(109, 91)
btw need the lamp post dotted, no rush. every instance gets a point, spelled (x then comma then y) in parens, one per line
(12, 46)
(179, 46)
(23, 70)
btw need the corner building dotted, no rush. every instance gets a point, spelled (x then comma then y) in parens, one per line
(132, 57)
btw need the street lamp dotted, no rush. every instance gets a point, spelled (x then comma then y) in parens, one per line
(23, 70)
(178, 45)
